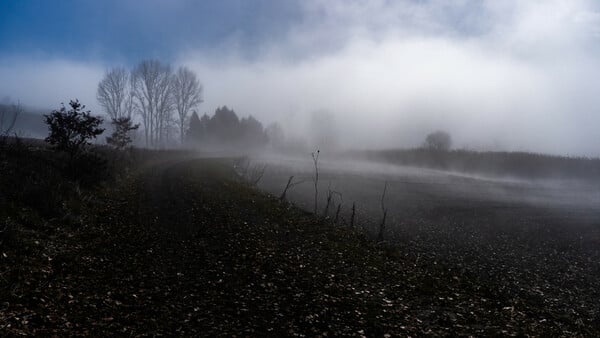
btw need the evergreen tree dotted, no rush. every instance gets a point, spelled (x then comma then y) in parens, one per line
(195, 131)
(224, 128)
(252, 132)
(72, 129)
(121, 137)
(225, 125)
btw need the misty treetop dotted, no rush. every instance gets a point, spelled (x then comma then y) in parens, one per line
(164, 102)
(162, 98)
(225, 129)
(438, 141)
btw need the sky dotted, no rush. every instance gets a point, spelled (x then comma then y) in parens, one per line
(517, 75)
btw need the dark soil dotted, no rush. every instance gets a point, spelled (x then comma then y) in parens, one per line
(185, 248)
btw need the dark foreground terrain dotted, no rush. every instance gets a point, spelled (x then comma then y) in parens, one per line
(185, 248)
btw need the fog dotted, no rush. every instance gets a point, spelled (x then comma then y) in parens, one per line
(300, 167)
(450, 186)
(417, 199)
(508, 75)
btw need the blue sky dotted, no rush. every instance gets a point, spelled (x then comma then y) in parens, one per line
(126, 30)
(504, 75)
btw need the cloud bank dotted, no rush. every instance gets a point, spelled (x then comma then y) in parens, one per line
(508, 75)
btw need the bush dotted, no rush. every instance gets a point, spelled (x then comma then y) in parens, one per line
(71, 130)
(70, 133)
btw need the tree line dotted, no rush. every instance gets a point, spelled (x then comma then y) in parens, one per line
(161, 97)
(224, 128)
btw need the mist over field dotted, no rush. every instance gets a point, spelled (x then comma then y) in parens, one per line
(369, 168)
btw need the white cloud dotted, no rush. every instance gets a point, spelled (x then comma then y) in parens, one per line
(497, 74)
(45, 84)
(519, 78)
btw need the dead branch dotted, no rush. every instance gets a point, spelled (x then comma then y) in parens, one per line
(252, 174)
(257, 174)
(287, 186)
(290, 184)
(315, 157)
(329, 197)
(353, 214)
(339, 207)
(384, 211)
(337, 213)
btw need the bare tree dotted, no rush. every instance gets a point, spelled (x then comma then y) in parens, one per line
(9, 113)
(164, 107)
(152, 90)
(114, 94)
(187, 94)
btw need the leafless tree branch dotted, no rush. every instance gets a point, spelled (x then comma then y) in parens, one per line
(290, 184)
(353, 215)
(152, 89)
(257, 174)
(315, 157)
(187, 94)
